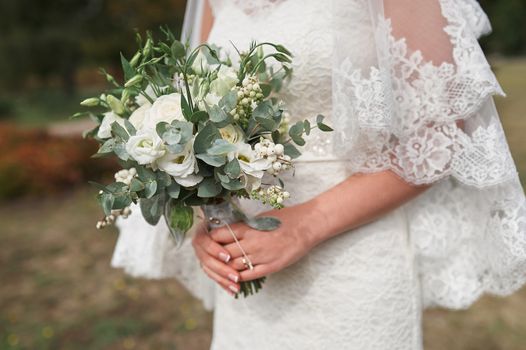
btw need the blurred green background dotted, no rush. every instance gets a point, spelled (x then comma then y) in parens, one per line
(58, 291)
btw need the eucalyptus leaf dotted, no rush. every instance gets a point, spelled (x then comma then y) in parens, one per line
(106, 201)
(209, 188)
(229, 101)
(129, 127)
(321, 125)
(233, 169)
(173, 190)
(118, 130)
(213, 160)
(198, 116)
(136, 185)
(150, 187)
(233, 185)
(178, 49)
(205, 137)
(221, 147)
(291, 151)
(119, 148)
(263, 223)
(152, 208)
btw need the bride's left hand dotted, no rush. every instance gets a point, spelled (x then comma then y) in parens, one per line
(271, 251)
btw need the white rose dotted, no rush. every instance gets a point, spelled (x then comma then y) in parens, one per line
(252, 167)
(210, 99)
(105, 126)
(141, 100)
(145, 147)
(226, 80)
(232, 134)
(182, 166)
(165, 109)
(138, 116)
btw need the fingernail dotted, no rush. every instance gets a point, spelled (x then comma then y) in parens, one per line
(233, 277)
(233, 289)
(224, 257)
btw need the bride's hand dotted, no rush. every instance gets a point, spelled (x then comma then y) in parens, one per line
(271, 251)
(213, 259)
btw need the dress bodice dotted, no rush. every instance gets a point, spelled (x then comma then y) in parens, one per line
(305, 28)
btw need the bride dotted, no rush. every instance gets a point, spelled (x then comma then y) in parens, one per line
(413, 201)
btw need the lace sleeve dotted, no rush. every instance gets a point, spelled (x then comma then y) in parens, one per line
(418, 101)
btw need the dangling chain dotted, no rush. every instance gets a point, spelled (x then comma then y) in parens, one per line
(246, 260)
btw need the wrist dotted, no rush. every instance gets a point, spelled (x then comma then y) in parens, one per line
(316, 225)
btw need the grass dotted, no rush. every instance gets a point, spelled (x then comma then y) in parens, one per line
(58, 291)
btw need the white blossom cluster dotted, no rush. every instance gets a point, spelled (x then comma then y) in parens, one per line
(272, 195)
(125, 175)
(110, 219)
(248, 94)
(274, 153)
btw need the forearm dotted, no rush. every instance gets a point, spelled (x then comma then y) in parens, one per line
(356, 201)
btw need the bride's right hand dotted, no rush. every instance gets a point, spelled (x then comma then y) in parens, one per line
(213, 259)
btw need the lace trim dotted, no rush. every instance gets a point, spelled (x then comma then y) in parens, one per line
(407, 112)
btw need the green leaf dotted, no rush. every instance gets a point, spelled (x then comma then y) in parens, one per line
(198, 116)
(179, 218)
(173, 190)
(306, 125)
(122, 201)
(145, 174)
(118, 130)
(107, 147)
(321, 125)
(209, 188)
(291, 151)
(263, 223)
(128, 70)
(266, 123)
(213, 160)
(217, 114)
(221, 147)
(229, 101)
(233, 169)
(152, 208)
(266, 89)
(205, 137)
(187, 110)
(119, 148)
(233, 185)
(150, 188)
(178, 49)
(106, 201)
(129, 127)
(136, 185)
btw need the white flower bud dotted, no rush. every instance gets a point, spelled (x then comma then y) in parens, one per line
(279, 200)
(287, 158)
(126, 211)
(133, 171)
(276, 166)
(272, 158)
(279, 149)
(244, 101)
(286, 195)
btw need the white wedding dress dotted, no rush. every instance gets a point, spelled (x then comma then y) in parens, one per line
(366, 288)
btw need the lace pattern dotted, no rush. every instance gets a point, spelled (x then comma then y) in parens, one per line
(393, 108)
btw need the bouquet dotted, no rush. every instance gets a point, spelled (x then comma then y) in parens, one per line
(192, 129)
